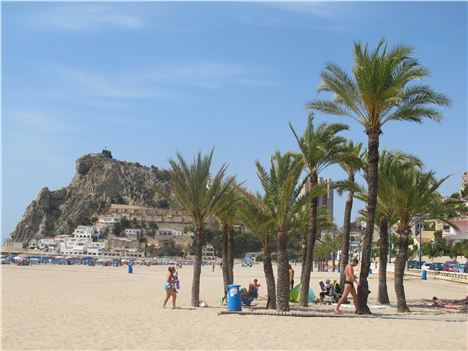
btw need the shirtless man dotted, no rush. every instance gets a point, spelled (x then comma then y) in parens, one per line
(350, 278)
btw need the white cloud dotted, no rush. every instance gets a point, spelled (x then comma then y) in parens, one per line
(86, 16)
(325, 16)
(102, 86)
(112, 90)
(209, 75)
(38, 121)
(316, 8)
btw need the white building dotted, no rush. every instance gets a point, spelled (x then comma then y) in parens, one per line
(208, 253)
(132, 233)
(78, 244)
(83, 231)
(49, 244)
(105, 221)
(169, 232)
(97, 248)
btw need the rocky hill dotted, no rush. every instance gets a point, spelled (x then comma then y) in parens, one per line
(99, 181)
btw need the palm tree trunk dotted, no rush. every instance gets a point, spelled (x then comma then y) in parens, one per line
(282, 290)
(230, 255)
(382, 295)
(269, 277)
(372, 184)
(400, 264)
(197, 269)
(225, 256)
(304, 255)
(346, 235)
(305, 281)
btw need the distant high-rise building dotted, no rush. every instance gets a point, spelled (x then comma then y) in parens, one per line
(464, 185)
(326, 200)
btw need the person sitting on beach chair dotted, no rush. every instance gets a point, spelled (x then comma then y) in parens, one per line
(249, 295)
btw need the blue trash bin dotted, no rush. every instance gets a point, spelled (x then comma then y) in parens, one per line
(234, 298)
(424, 275)
(370, 271)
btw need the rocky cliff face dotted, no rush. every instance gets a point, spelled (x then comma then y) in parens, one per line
(99, 181)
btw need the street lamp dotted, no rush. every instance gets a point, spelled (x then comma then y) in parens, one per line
(419, 231)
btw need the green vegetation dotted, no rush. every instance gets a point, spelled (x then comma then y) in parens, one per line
(196, 192)
(119, 227)
(382, 88)
(319, 147)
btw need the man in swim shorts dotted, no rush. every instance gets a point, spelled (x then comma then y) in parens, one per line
(350, 279)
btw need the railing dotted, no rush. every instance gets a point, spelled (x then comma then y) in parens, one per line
(451, 276)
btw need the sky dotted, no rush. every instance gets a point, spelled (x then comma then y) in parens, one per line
(148, 79)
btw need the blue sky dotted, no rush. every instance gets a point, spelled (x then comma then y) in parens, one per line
(147, 79)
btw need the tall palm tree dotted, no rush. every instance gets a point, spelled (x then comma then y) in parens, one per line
(197, 193)
(301, 224)
(413, 192)
(261, 226)
(351, 164)
(320, 147)
(379, 91)
(385, 214)
(227, 214)
(282, 200)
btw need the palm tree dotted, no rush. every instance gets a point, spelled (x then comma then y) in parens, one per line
(385, 213)
(319, 147)
(301, 226)
(327, 245)
(379, 91)
(227, 213)
(413, 192)
(282, 200)
(386, 216)
(351, 164)
(196, 193)
(261, 226)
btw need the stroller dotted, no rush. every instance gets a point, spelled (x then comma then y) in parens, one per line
(331, 293)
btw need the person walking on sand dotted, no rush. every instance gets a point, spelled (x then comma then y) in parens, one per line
(350, 279)
(291, 278)
(170, 288)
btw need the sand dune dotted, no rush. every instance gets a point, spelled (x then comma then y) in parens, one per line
(105, 308)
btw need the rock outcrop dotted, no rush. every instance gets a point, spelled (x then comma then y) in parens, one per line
(99, 181)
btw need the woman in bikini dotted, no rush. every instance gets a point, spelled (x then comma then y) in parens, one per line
(170, 287)
(350, 279)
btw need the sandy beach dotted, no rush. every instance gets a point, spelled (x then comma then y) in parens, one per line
(105, 308)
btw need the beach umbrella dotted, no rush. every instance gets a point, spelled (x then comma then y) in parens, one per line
(295, 294)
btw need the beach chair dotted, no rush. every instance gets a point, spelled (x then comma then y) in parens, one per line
(248, 300)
